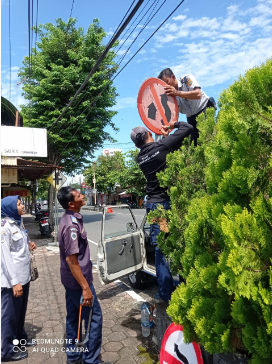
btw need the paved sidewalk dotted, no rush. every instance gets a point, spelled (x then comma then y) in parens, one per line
(122, 339)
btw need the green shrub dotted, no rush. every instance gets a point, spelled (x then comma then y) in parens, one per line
(220, 223)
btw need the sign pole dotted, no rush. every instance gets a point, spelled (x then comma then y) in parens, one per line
(56, 216)
(56, 179)
(94, 180)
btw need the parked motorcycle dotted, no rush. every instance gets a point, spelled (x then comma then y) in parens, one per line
(132, 204)
(43, 217)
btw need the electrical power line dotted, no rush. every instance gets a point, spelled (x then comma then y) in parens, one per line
(32, 23)
(123, 19)
(29, 45)
(129, 62)
(145, 24)
(143, 28)
(149, 38)
(72, 8)
(37, 13)
(9, 57)
(123, 36)
(101, 58)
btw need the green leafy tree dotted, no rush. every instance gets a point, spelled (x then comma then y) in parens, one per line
(109, 172)
(42, 189)
(64, 57)
(76, 186)
(221, 223)
(133, 178)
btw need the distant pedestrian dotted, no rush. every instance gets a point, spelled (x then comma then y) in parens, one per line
(140, 202)
(77, 278)
(15, 279)
(192, 100)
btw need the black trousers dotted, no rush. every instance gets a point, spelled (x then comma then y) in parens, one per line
(13, 312)
(192, 121)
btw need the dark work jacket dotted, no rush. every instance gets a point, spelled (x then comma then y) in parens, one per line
(152, 159)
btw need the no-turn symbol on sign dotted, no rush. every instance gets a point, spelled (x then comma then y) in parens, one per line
(154, 106)
(175, 351)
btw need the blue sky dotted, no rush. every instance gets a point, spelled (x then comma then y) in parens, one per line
(214, 40)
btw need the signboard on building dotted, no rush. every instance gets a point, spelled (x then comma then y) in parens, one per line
(14, 191)
(23, 142)
(110, 152)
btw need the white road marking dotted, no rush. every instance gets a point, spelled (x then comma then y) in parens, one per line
(136, 296)
(93, 242)
(132, 294)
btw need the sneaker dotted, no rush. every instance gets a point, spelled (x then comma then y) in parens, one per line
(17, 356)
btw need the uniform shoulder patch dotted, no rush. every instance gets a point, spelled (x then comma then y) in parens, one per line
(74, 220)
(73, 236)
(3, 222)
(189, 82)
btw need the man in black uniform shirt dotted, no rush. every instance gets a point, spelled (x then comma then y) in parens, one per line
(151, 160)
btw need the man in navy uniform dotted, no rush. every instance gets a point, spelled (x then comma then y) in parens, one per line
(76, 276)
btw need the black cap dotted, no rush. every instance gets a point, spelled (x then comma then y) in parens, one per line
(138, 134)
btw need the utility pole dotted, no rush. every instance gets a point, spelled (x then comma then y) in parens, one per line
(94, 183)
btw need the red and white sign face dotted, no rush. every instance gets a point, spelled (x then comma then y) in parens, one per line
(175, 351)
(154, 106)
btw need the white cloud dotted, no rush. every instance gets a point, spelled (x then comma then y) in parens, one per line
(125, 102)
(12, 92)
(180, 17)
(229, 36)
(219, 49)
(260, 21)
(110, 33)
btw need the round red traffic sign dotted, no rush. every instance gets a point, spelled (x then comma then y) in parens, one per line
(175, 351)
(154, 106)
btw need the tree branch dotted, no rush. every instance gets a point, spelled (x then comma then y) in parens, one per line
(262, 116)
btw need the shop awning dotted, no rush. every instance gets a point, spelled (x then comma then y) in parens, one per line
(30, 170)
(124, 194)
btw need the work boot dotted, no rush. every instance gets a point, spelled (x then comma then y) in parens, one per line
(78, 361)
(158, 299)
(30, 343)
(16, 356)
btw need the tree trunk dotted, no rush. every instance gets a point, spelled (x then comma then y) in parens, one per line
(50, 205)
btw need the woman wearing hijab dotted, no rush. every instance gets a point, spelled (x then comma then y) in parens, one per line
(15, 279)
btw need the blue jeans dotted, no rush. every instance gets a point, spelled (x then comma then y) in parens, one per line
(164, 276)
(93, 346)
